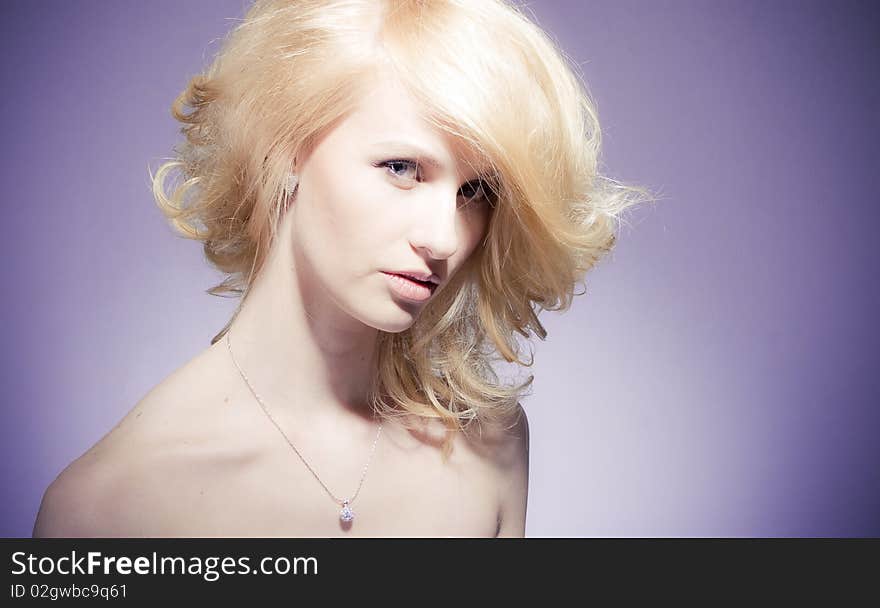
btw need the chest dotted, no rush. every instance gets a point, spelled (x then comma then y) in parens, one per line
(276, 495)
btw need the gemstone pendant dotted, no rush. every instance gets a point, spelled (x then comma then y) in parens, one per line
(346, 514)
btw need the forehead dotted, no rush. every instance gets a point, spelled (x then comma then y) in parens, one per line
(388, 120)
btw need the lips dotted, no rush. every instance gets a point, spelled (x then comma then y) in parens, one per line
(409, 288)
(427, 284)
(425, 276)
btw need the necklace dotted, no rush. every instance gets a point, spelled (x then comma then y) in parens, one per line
(346, 514)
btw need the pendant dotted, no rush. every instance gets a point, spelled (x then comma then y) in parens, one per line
(346, 514)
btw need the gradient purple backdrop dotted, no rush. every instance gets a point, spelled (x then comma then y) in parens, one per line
(720, 377)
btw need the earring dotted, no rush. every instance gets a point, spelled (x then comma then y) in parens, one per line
(292, 181)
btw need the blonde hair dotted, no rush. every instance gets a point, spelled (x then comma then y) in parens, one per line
(484, 73)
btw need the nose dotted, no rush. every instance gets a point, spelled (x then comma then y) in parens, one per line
(436, 228)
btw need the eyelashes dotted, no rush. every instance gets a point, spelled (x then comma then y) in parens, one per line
(479, 188)
(401, 162)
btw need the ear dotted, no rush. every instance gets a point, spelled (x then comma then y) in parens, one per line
(292, 182)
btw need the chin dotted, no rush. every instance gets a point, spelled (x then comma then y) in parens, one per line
(394, 328)
(393, 323)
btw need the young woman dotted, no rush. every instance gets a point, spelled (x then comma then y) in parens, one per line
(393, 188)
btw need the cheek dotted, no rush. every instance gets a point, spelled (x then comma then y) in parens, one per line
(344, 224)
(473, 226)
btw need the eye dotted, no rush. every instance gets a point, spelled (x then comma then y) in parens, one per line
(476, 189)
(405, 164)
(480, 190)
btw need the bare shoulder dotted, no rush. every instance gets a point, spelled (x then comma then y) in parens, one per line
(78, 502)
(514, 478)
(506, 451)
(112, 489)
(91, 496)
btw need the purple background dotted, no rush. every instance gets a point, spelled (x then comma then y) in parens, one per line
(720, 377)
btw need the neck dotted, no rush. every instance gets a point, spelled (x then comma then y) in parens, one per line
(301, 353)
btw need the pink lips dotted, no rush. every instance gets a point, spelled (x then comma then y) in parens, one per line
(409, 288)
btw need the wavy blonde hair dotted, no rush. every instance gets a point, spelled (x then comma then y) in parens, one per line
(484, 73)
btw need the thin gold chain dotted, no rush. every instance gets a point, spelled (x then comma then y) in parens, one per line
(290, 443)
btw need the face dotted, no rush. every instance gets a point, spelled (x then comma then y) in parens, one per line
(383, 192)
